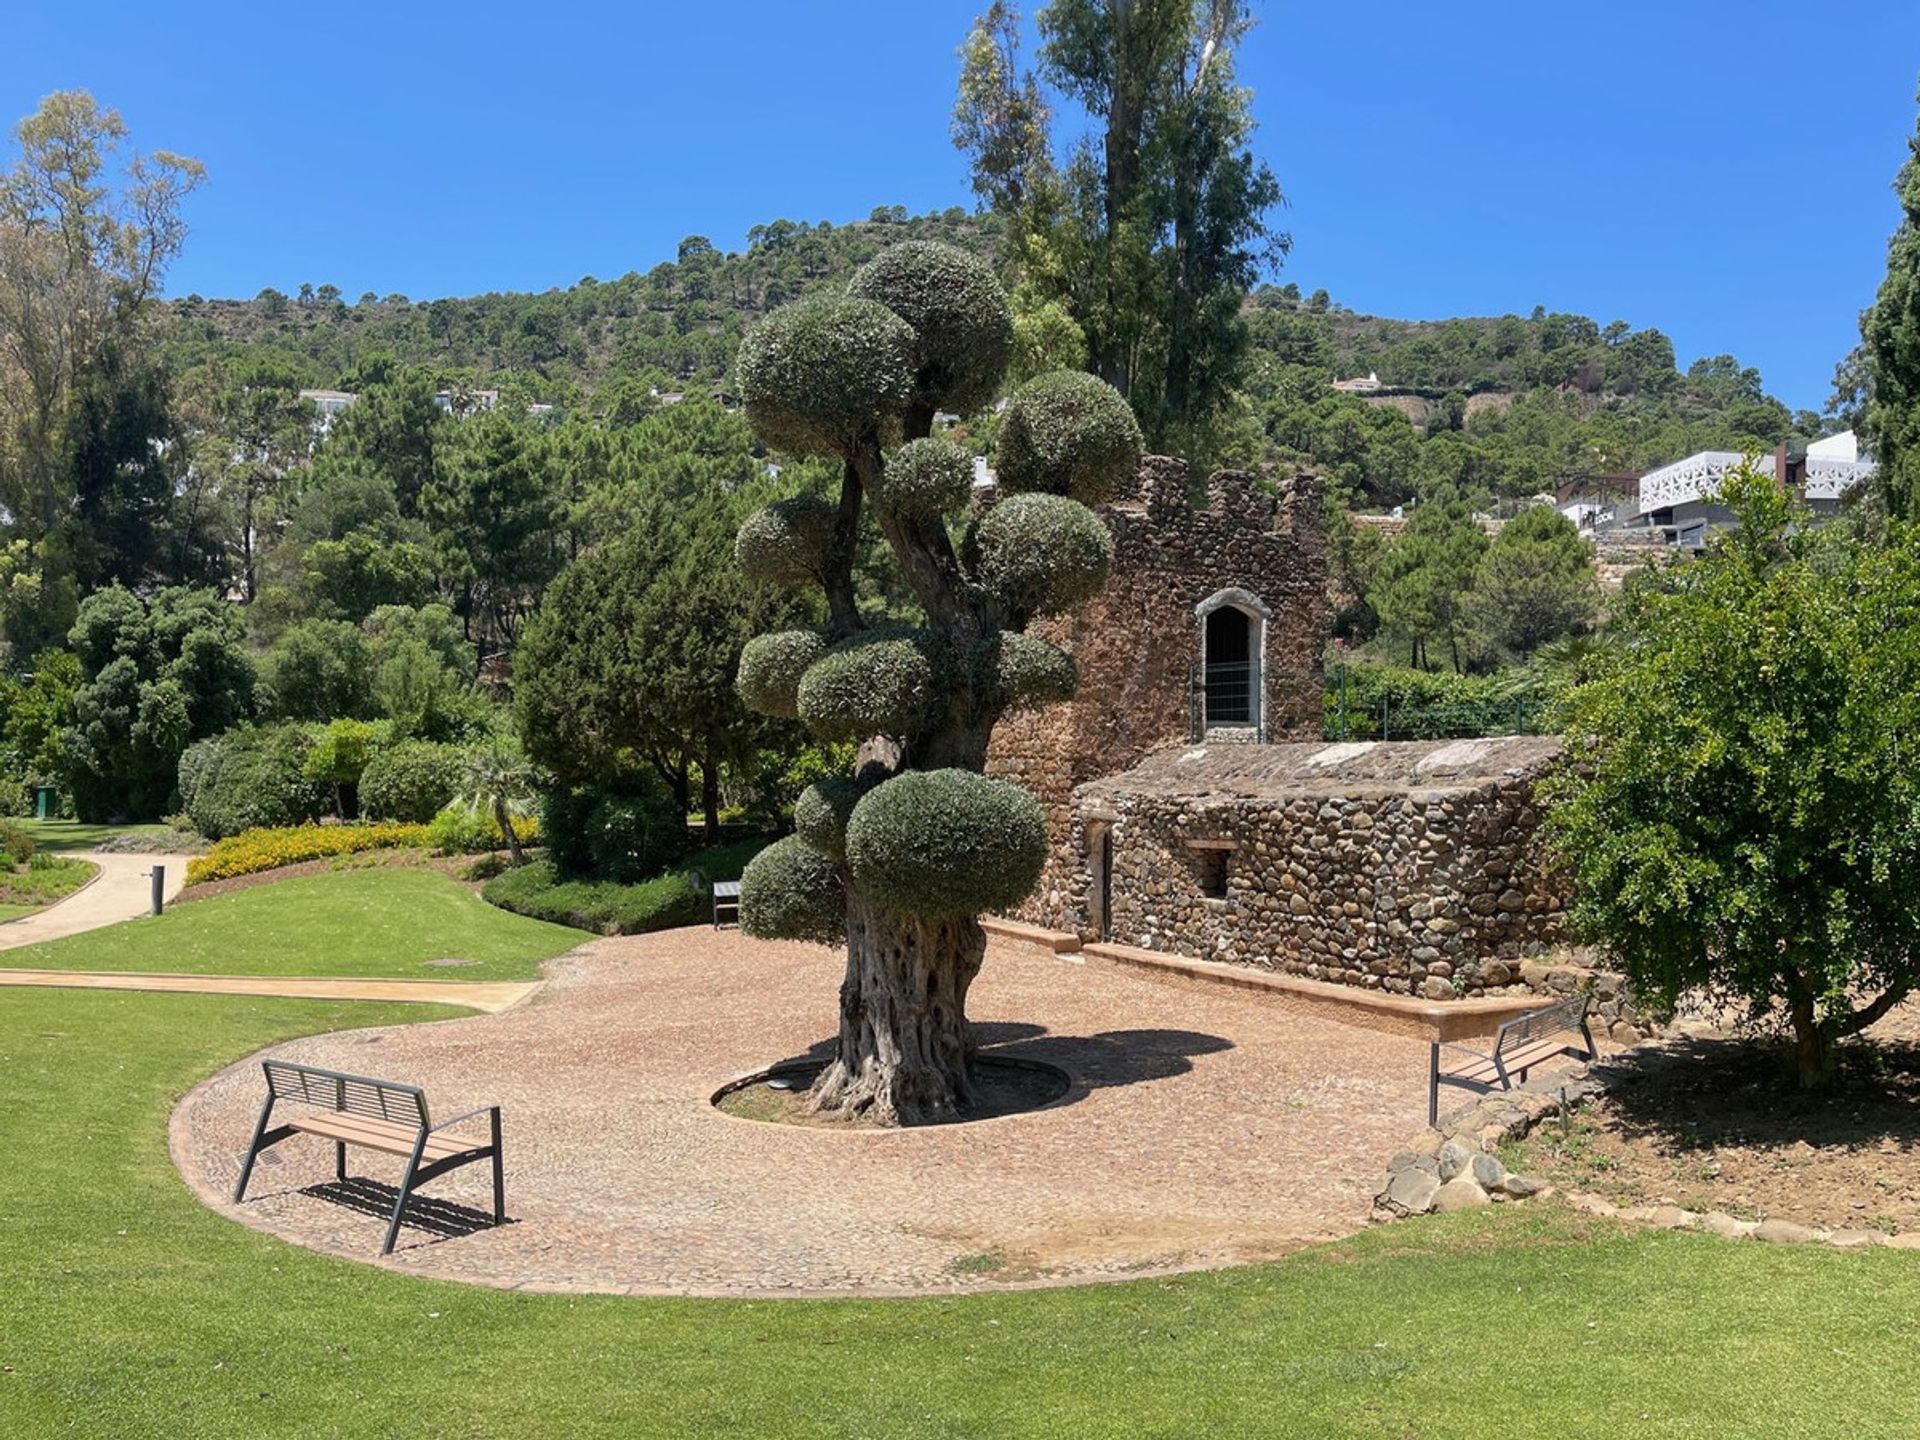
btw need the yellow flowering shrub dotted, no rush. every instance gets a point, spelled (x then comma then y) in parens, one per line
(252, 851)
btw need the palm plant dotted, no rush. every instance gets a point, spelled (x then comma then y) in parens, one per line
(499, 777)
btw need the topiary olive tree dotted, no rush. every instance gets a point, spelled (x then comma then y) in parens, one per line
(902, 856)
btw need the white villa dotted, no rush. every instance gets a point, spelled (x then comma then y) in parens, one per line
(1681, 500)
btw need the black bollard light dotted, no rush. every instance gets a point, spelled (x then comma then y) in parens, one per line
(159, 888)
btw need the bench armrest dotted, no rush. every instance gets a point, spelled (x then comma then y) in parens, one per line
(470, 1115)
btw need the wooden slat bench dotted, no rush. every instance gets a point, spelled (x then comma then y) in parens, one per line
(376, 1115)
(1518, 1046)
(726, 896)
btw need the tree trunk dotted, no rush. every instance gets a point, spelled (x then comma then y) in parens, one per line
(1812, 1047)
(905, 1048)
(507, 831)
(710, 799)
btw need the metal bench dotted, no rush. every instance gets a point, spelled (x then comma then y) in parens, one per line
(1519, 1045)
(376, 1115)
(726, 896)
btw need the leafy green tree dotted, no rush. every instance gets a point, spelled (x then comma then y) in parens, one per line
(83, 251)
(491, 501)
(394, 429)
(630, 660)
(255, 432)
(318, 670)
(339, 757)
(904, 853)
(1423, 586)
(1148, 239)
(154, 677)
(1891, 330)
(1536, 582)
(1741, 813)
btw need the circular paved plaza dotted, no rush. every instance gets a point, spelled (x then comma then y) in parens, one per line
(1202, 1129)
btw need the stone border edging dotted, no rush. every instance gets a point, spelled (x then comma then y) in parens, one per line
(1729, 1227)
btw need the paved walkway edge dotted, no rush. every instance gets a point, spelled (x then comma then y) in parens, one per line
(489, 996)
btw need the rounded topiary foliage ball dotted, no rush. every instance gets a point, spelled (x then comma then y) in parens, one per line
(1067, 433)
(944, 843)
(1041, 554)
(929, 476)
(786, 543)
(820, 814)
(790, 891)
(878, 682)
(1018, 671)
(820, 373)
(768, 680)
(962, 324)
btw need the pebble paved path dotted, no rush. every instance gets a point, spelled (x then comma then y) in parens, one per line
(1203, 1129)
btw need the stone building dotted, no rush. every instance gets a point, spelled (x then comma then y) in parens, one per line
(1410, 867)
(1211, 625)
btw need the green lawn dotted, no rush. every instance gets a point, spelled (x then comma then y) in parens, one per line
(34, 887)
(74, 835)
(374, 921)
(128, 1310)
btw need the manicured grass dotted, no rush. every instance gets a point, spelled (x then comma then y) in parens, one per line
(375, 921)
(34, 887)
(128, 1310)
(73, 835)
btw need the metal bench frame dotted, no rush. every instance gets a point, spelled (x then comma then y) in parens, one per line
(726, 896)
(385, 1101)
(1568, 1016)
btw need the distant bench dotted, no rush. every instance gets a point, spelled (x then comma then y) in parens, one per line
(1520, 1044)
(726, 897)
(375, 1115)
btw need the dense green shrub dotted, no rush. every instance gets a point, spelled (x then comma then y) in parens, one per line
(1042, 554)
(962, 323)
(787, 542)
(16, 844)
(930, 476)
(946, 842)
(469, 830)
(620, 833)
(882, 681)
(770, 669)
(413, 781)
(818, 374)
(1067, 433)
(680, 897)
(318, 670)
(15, 797)
(1429, 704)
(634, 834)
(254, 777)
(790, 891)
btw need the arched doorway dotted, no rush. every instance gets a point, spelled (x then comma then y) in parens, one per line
(1233, 635)
(1229, 643)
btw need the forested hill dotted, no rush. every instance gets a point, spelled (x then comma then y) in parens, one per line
(1506, 405)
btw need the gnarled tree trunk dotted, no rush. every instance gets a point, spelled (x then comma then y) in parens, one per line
(905, 1050)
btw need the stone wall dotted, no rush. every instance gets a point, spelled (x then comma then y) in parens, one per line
(1409, 867)
(1137, 643)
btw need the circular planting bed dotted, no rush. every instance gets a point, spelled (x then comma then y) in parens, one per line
(1003, 1086)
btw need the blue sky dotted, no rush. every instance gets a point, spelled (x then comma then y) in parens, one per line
(1718, 168)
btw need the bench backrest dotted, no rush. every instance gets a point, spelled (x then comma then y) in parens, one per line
(350, 1094)
(1567, 1014)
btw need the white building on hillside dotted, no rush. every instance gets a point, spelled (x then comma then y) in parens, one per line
(1681, 500)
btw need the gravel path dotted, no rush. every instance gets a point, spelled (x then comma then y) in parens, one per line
(122, 890)
(1203, 1129)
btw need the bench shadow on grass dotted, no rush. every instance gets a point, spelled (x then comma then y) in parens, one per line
(1710, 1092)
(1091, 1062)
(441, 1219)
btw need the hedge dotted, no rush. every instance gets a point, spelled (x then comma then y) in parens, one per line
(251, 779)
(269, 848)
(462, 830)
(607, 908)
